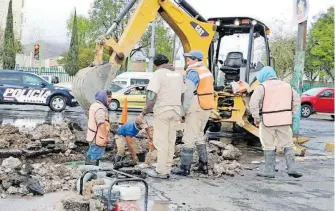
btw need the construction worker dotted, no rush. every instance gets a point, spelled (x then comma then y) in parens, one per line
(276, 101)
(198, 103)
(98, 127)
(125, 134)
(164, 97)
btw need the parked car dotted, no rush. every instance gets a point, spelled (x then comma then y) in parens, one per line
(17, 87)
(317, 100)
(136, 97)
(51, 79)
(132, 78)
(114, 87)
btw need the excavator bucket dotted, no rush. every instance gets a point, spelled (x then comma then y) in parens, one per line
(88, 81)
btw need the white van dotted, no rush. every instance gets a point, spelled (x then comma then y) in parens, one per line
(131, 78)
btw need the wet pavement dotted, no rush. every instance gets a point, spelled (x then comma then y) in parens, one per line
(314, 191)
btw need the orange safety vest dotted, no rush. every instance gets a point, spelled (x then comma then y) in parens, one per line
(205, 88)
(94, 133)
(277, 103)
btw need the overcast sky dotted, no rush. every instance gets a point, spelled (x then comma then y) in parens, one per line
(46, 19)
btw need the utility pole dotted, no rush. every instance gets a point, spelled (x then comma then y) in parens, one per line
(152, 48)
(299, 60)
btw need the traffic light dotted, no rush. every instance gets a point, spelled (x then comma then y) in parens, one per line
(37, 51)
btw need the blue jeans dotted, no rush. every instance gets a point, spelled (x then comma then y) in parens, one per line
(95, 152)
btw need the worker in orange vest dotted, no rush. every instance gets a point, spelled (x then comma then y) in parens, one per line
(198, 103)
(98, 130)
(276, 101)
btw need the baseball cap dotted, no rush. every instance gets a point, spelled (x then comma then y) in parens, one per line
(195, 54)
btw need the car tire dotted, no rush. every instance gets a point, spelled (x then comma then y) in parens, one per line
(306, 110)
(114, 105)
(57, 103)
(332, 116)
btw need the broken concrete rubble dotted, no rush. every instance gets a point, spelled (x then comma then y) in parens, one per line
(43, 139)
(221, 159)
(37, 179)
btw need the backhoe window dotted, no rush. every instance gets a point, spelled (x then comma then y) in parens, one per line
(234, 43)
(259, 52)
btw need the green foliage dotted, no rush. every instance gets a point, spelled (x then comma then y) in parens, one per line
(101, 17)
(72, 65)
(283, 51)
(18, 45)
(320, 47)
(8, 57)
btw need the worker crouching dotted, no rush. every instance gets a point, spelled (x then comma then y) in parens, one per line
(276, 101)
(124, 136)
(98, 127)
(198, 103)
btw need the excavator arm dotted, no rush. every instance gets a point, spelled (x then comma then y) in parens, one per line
(193, 31)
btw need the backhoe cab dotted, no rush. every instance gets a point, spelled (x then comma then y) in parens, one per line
(239, 50)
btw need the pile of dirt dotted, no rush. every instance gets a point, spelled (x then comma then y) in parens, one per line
(222, 159)
(21, 178)
(43, 139)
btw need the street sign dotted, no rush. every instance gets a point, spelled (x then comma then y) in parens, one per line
(301, 8)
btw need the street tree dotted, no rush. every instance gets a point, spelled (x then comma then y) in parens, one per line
(283, 50)
(320, 47)
(9, 41)
(72, 65)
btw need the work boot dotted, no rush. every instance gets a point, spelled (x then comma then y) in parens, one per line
(153, 173)
(186, 160)
(290, 162)
(270, 164)
(141, 157)
(203, 159)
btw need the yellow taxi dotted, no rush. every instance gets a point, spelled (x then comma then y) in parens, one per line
(135, 94)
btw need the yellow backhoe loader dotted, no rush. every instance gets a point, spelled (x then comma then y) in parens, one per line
(195, 32)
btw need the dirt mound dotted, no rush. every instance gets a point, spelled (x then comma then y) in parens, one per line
(20, 177)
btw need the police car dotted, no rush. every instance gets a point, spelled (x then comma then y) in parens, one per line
(18, 87)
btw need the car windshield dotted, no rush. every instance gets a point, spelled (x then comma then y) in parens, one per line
(123, 90)
(312, 92)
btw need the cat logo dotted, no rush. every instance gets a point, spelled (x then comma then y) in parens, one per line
(201, 31)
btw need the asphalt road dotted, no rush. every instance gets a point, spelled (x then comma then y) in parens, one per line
(314, 191)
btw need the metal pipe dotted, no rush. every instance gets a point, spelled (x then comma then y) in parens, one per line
(250, 46)
(187, 7)
(152, 48)
(267, 48)
(121, 15)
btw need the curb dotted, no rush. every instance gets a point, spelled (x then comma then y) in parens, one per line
(302, 159)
